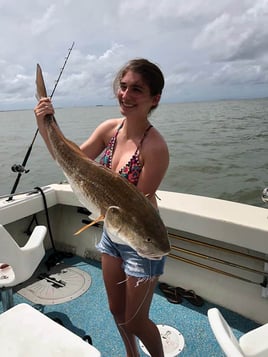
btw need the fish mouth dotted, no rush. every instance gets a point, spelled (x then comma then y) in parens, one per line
(151, 256)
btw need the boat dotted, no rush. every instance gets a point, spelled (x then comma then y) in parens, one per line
(219, 250)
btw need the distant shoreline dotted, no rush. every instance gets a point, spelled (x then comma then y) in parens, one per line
(162, 103)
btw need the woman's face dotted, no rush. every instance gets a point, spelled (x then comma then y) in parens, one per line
(134, 95)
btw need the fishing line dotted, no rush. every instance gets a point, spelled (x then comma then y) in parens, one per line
(139, 281)
(21, 168)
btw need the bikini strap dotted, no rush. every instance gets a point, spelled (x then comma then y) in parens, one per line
(144, 135)
(118, 129)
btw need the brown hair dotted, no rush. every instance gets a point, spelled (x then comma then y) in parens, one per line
(150, 73)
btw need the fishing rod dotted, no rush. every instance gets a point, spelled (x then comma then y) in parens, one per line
(20, 169)
(209, 245)
(217, 260)
(62, 69)
(219, 271)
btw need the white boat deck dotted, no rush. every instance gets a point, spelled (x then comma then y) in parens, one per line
(227, 224)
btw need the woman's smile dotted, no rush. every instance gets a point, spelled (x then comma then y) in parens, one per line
(127, 105)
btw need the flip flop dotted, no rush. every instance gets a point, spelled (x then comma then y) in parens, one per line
(191, 296)
(4, 266)
(170, 293)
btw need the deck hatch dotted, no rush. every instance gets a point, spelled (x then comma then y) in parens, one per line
(172, 340)
(60, 284)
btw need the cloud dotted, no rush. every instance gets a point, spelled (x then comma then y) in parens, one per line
(92, 75)
(243, 74)
(233, 37)
(200, 45)
(45, 22)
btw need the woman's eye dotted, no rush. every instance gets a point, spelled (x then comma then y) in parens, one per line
(137, 89)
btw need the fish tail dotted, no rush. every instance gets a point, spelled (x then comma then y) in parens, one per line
(40, 84)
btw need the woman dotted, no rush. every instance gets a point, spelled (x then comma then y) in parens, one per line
(132, 147)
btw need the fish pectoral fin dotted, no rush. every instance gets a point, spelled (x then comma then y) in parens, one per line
(149, 195)
(99, 219)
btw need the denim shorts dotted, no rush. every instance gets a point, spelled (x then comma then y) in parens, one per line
(132, 263)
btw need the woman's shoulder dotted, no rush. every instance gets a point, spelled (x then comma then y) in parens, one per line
(110, 124)
(108, 128)
(155, 146)
(157, 140)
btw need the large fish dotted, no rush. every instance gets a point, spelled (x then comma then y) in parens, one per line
(129, 217)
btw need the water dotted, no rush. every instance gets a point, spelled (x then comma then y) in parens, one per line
(217, 149)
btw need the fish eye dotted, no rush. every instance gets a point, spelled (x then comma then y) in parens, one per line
(148, 240)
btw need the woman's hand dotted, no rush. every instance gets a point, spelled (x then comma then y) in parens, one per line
(43, 108)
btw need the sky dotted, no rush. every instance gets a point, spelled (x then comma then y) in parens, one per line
(207, 49)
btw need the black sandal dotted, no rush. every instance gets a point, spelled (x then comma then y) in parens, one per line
(170, 293)
(191, 296)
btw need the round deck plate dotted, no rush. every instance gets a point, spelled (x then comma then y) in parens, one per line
(61, 284)
(172, 340)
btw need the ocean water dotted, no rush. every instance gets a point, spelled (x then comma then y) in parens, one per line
(217, 149)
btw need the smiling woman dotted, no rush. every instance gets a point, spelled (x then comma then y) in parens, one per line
(129, 147)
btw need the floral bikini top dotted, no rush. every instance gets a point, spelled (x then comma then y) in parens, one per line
(131, 171)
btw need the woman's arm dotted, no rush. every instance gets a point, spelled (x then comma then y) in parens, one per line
(92, 147)
(155, 156)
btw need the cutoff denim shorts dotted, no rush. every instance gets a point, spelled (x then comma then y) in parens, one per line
(133, 264)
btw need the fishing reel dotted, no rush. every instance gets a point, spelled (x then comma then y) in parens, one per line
(264, 196)
(19, 169)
